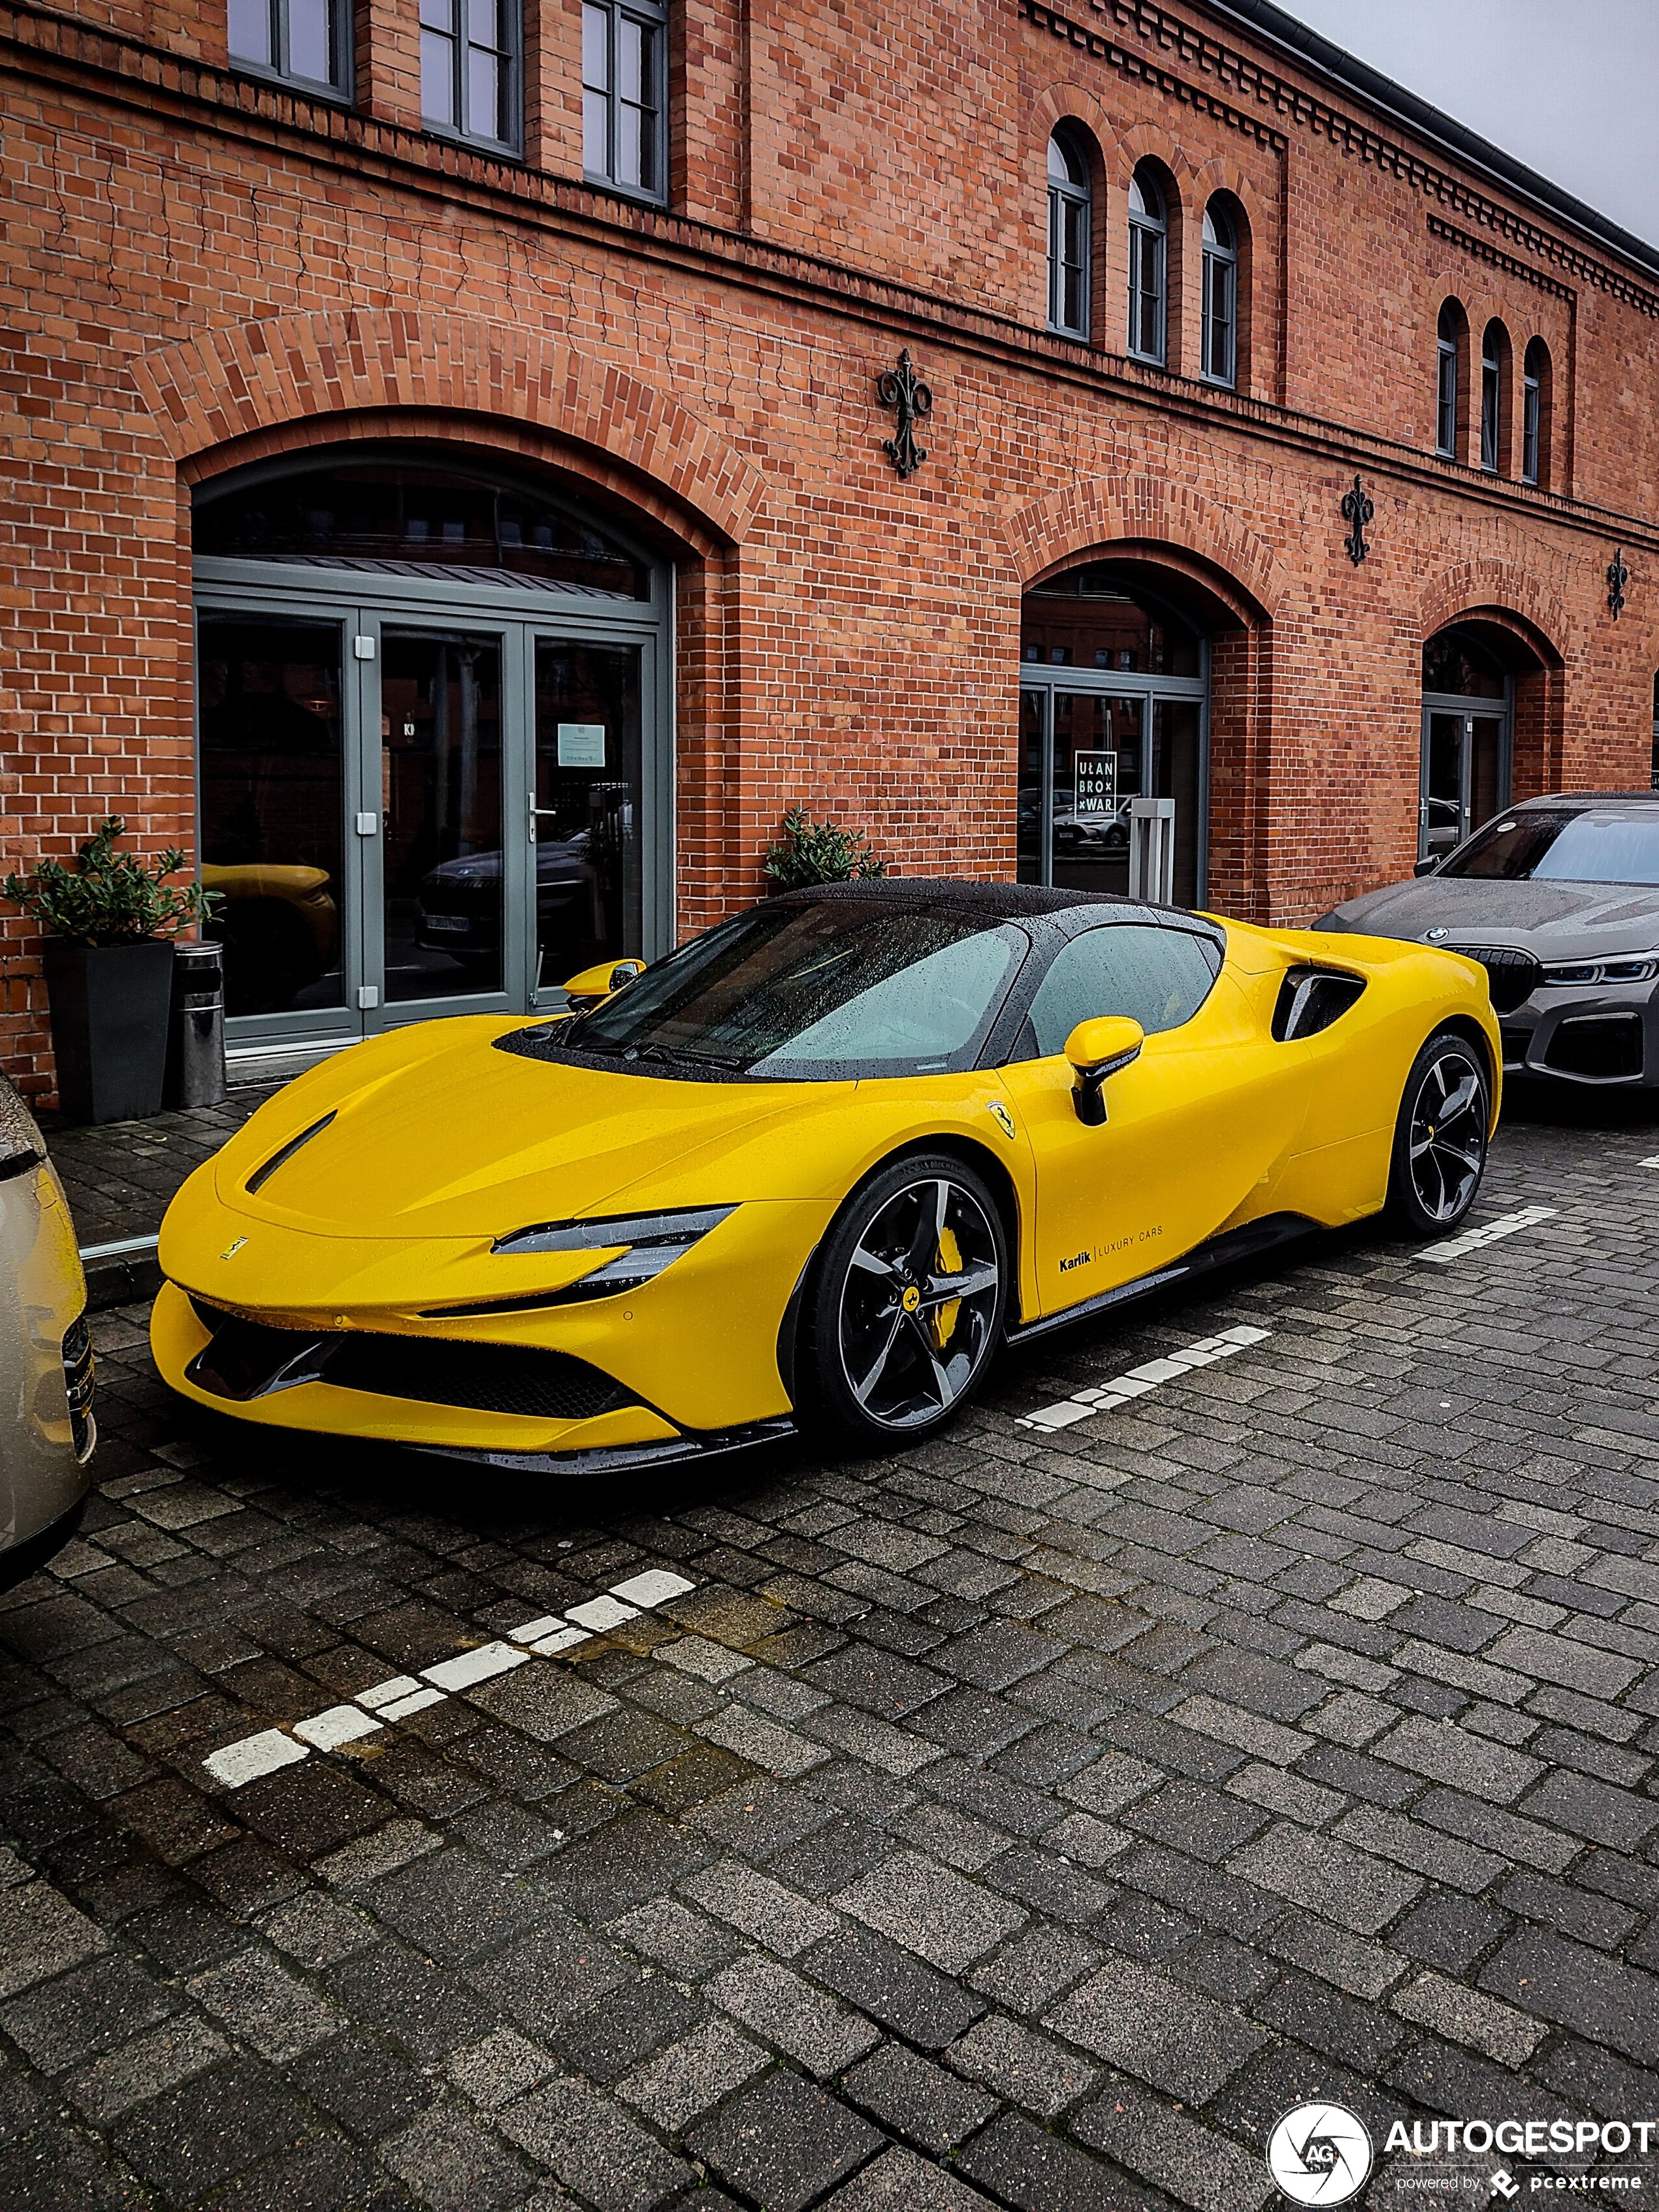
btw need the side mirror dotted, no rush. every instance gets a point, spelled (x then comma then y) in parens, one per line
(1096, 1049)
(600, 981)
(1428, 864)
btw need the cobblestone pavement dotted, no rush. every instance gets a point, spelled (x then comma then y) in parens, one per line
(1028, 1820)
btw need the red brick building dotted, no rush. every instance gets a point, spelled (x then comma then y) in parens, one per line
(428, 426)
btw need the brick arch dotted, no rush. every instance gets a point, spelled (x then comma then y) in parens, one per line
(1101, 512)
(1069, 103)
(1146, 143)
(230, 385)
(1496, 591)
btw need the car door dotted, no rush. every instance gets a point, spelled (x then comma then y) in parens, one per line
(1195, 1128)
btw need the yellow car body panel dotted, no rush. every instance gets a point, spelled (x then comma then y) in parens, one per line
(435, 1145)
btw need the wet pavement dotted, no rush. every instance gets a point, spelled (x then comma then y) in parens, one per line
(1027, 1820)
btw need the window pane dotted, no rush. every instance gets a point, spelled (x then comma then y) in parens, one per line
(440, 801)
(596, 134)
(629, 146)
(484, 93)
(596, 52)
(1158, 977)
(483, 23)
(272, 808)
(438, 15)
(250, 31)
(633, 59)
(438, 78)
(310, 42)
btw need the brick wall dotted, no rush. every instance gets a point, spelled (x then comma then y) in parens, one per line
(200, 269)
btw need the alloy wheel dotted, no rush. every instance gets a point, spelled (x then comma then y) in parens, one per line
(1447, 1147)
(919, 1304)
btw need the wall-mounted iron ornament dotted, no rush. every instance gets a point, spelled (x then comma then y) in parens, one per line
(1617, 577)
(903, 388)
(1357, 511)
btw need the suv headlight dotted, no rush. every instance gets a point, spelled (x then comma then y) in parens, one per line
(654, 1242)
(1634, 968)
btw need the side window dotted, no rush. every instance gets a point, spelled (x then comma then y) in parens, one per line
(1159, 977)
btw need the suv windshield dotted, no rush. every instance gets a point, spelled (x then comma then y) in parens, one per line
(1590, 847)
(848, 987)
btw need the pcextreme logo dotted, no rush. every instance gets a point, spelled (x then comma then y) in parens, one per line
(1321, 2155)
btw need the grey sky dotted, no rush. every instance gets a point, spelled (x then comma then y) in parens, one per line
(1570, 87)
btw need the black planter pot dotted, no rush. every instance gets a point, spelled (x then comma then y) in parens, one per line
(109, 1007)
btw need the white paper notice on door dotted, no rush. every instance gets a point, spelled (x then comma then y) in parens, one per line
(581, 745)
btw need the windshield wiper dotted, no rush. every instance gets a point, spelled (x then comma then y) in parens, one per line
(673, 1052)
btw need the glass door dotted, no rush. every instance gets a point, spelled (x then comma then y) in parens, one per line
(1465, 776)
(586, 798)
(1085, 753)
(276, 723)
(441, 838)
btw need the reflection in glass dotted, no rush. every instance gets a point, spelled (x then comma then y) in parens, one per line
(440, 798)
(272, 808)
(1443, 784)
(1092, 845)
(401, 517)
(1084, 619)
(1177, 774)
(587, 800)
(1028, 797)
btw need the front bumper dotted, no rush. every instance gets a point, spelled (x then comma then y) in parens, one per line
(683, 1364)
(1605, 1038)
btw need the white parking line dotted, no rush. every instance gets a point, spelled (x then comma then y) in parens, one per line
(1653, 1163)
(252, 1756)
(1100, 1398)
(1506, 1224)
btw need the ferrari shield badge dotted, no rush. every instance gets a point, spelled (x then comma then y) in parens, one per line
(1002, 1117)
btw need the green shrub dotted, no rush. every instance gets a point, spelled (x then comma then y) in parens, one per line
(109, 897)
(819, 852)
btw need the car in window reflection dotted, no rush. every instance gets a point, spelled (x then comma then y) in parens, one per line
(460, 900)
(1075, 831)
(280, 928)
(1558, 898)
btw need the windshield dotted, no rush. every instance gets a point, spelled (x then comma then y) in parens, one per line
(848, 987)
(1588, 847)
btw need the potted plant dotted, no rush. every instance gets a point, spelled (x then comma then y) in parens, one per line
(109, 921)
(818, 852)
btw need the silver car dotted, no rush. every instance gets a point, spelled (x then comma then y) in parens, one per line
(1559, 898)
(46, 1427)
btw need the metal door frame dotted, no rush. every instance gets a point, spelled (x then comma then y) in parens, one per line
(362, 603)
(1045, 678)
(1471, 710)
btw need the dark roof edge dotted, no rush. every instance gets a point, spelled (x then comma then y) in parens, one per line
(1335, 62)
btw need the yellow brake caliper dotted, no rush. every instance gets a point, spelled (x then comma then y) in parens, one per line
(949, 1263)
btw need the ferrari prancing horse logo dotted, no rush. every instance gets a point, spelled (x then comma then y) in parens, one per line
(231, 1250)
(1002, 1117)
(912, 1298)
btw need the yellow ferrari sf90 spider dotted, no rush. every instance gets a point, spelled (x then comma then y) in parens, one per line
(816, 1165)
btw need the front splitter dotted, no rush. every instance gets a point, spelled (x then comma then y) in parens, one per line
(675, 1451)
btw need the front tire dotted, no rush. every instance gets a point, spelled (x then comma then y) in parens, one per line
(909, 1299)
(1440, 1139)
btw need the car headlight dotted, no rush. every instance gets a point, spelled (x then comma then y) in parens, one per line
(1634, 968)
(654, 1242)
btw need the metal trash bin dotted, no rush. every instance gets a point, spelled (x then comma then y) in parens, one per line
(196, 1037)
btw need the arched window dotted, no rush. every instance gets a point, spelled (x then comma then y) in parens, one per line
(1494, 398)
(1452, 330)
(1219, 359)
(1535, 413)
(1148, 267)
(1070, 206)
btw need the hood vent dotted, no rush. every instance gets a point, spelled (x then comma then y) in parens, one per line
(261, 1176)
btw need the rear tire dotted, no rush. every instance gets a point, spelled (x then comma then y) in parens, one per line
(1440, 1139)
(908, 1299)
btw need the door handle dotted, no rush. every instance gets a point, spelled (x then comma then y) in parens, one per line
(537, 813)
